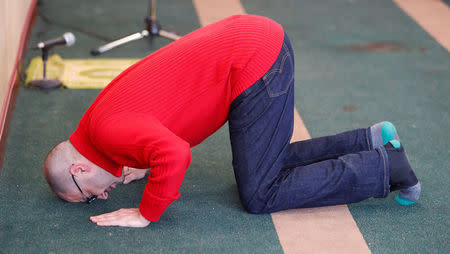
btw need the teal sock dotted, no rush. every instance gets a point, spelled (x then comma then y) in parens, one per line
(382, 133)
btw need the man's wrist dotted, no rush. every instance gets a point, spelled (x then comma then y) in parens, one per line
(144, 220)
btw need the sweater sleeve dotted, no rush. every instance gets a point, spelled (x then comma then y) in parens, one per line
(141, 141)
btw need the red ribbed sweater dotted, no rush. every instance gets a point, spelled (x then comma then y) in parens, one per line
(152, 113)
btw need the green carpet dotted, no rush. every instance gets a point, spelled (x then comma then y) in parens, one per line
(357, 63)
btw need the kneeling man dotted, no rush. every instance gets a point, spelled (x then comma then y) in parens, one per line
(240, 70)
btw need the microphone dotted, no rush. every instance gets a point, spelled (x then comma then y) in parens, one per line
(67, 39)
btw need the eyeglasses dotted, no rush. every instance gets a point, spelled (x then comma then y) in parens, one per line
(86, 199)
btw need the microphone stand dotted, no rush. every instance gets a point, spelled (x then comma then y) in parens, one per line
(44, 83)
(153, 29)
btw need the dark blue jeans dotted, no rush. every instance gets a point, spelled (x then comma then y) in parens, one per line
(272, 174)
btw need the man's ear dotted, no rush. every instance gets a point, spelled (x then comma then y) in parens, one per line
(79, 169)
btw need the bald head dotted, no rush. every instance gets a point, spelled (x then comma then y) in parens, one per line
(63, 162)
(56, 169)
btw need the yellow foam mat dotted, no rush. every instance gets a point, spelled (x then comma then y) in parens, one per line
(79, 73)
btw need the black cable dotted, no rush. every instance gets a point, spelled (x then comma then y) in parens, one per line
(48, 20)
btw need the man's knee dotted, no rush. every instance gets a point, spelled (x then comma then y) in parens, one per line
(255, 205)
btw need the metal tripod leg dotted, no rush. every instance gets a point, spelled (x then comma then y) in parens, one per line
(153, 29)
(116, 43)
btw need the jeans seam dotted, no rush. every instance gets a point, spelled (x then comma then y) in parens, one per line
(367, 139)
(384, 178)
(307, 162)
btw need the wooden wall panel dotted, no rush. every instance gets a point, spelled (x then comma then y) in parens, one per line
(15, 22)
(12, 19)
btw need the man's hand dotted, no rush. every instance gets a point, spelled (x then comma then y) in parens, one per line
(125, 217)
(132, 174)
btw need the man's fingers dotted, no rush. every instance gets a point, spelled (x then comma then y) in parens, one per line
(132, 174)
(127, 180)
(131, 177)
(105, 216)
(103, 223)
(108, 220)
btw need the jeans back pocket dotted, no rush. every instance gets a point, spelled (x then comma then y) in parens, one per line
(279, 78)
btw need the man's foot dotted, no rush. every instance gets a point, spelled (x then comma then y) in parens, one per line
(382, 133)
(402, 176)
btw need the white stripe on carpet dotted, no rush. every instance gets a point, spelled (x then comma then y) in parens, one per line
(432, 15)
